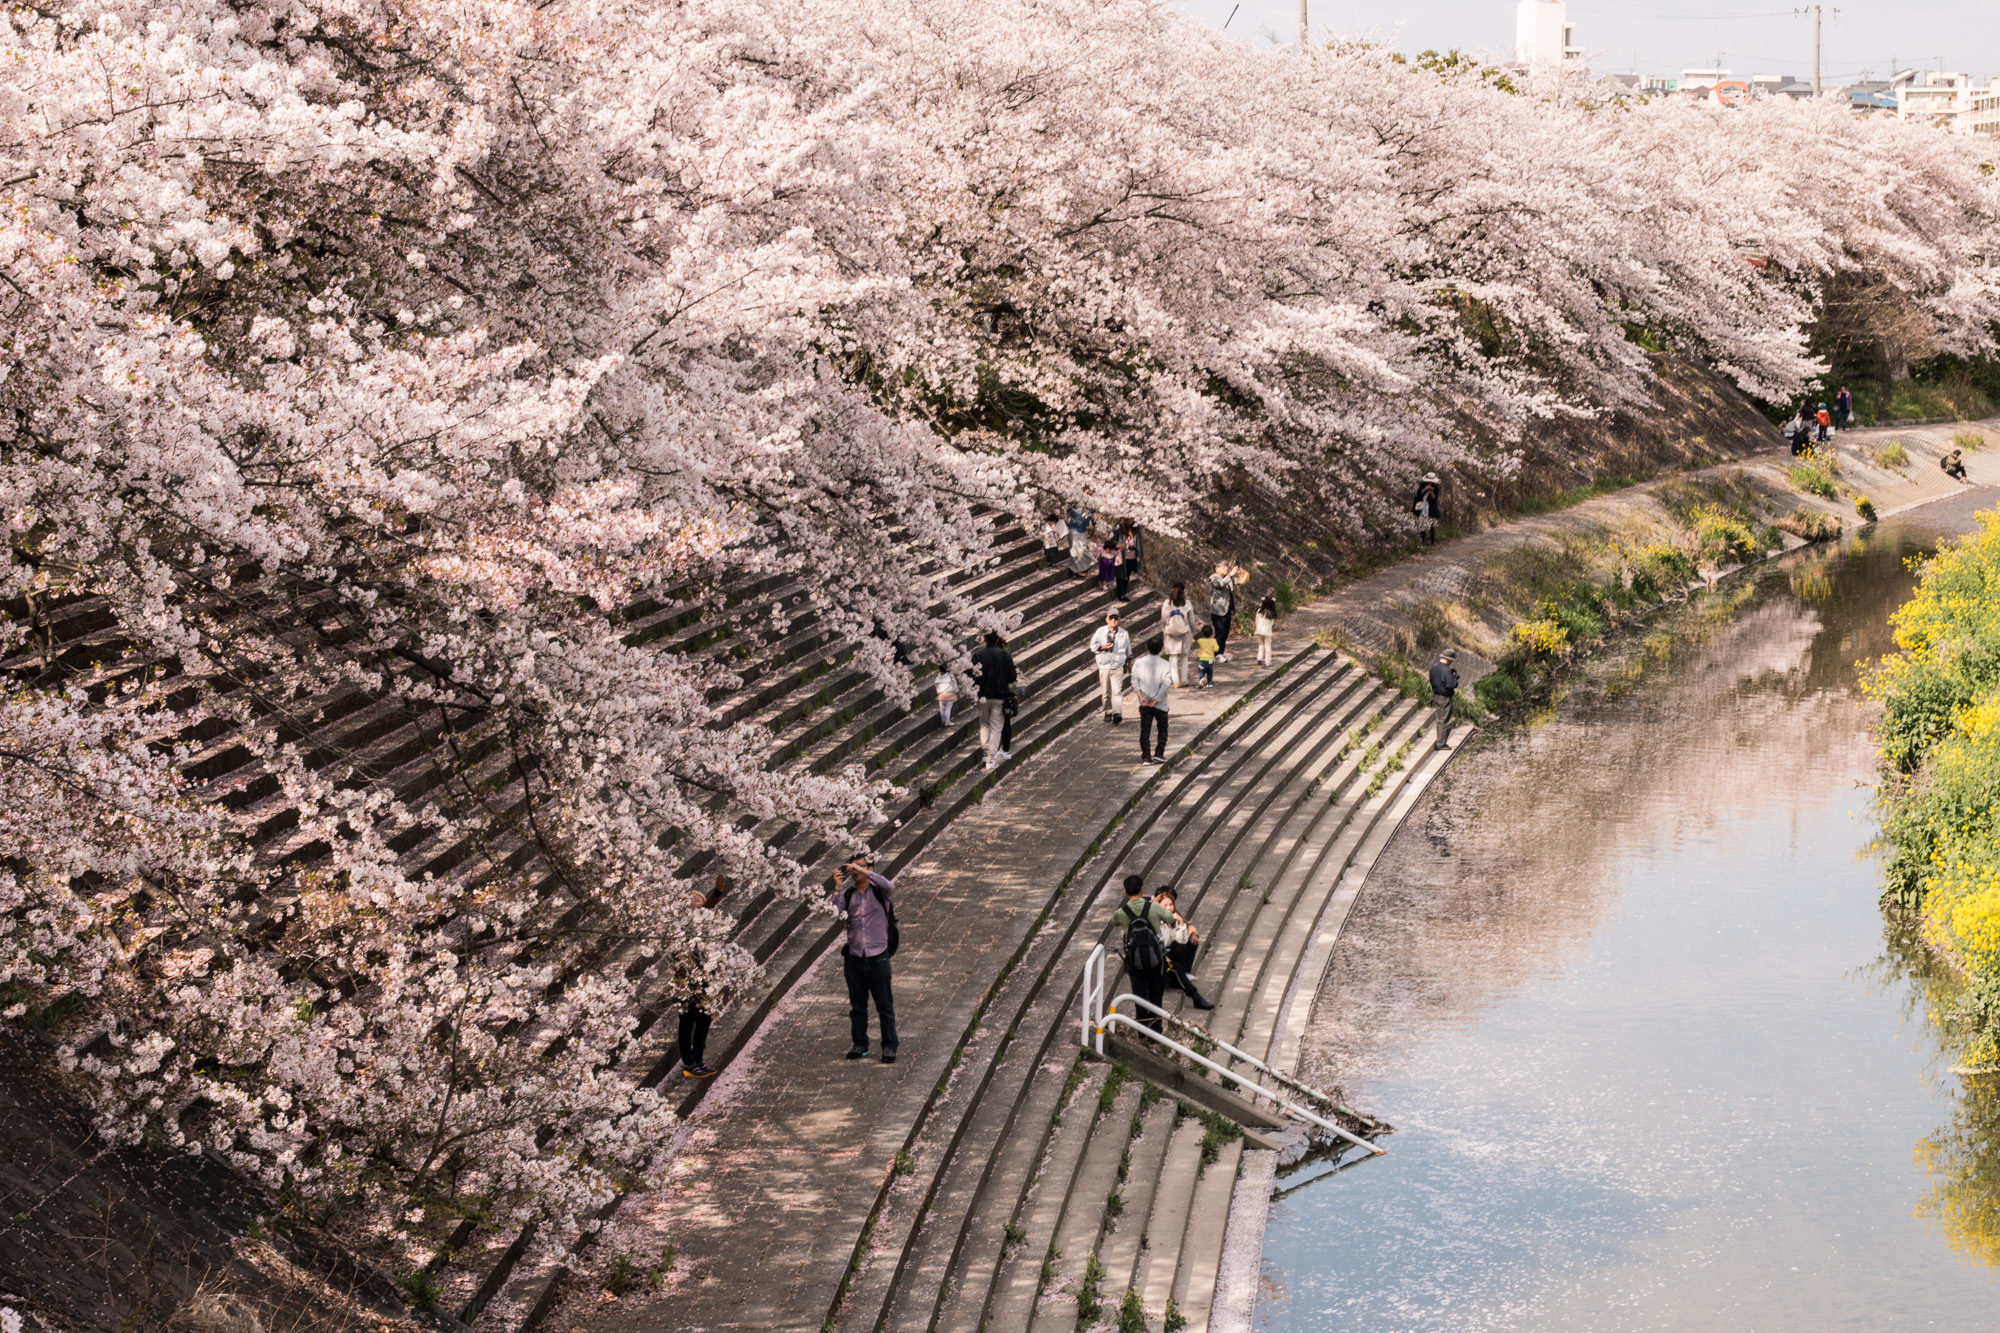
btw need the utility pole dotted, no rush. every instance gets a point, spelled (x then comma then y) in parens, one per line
(1302, 27)
(1815, 49)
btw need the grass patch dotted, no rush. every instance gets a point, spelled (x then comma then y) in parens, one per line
(1865, 507)
(1891, 455)
(1090, 1295)
(1969, 440)
(1810, 525)
(1814, 479)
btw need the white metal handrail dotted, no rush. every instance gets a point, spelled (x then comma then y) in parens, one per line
(1099, 1018)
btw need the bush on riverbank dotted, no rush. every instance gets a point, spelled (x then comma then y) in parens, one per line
(1940, 735)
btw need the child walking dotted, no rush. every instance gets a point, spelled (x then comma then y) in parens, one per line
(1267, 624)
(1205, 650)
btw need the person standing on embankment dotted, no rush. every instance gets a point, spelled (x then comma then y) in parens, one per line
(1444, 685)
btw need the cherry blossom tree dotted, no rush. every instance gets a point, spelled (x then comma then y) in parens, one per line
(370, 370)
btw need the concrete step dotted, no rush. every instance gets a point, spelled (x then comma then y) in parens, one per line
(1050, 1012)
(1027, 990)
(1083, 1214)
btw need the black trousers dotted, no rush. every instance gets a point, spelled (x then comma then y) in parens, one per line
(1180, 970)
(1221, 624)
(694, 1036)
(868, 978)
(1151, 987)
(1148, 718)
(1124, 580)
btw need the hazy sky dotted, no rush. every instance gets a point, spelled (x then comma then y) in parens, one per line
(1664, 36)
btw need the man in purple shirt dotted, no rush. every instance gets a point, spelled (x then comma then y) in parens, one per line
(864, 898)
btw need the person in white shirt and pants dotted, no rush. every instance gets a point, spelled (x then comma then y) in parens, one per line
(1113, 649)
(1152, 677)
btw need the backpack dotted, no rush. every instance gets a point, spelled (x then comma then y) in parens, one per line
(1143, 950)
(895, 931)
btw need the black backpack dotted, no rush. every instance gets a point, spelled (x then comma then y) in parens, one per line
(1143, 950)
(895, 931)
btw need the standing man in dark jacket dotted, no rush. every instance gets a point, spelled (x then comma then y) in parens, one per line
(1444, 684)
(863, 897)
(993, 668)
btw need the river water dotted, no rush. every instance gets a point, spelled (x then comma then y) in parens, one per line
(1655, 1059)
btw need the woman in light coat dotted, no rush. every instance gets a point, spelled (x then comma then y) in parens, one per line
(1177, 628)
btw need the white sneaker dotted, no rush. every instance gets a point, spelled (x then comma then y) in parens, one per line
(1003, 755)
(992, 762)
(1222, 657)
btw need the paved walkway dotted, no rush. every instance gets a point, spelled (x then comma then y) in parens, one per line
(782, 1164)
(1369, 611)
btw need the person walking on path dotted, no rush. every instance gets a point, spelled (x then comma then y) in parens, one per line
(1444, 686)
(1182, 940)
(1177, 629)
(1078, 524)
(1205, 649)
(1055, 540)
(1843, 407)
(993, 665)
(1152, 678)
(866, 899)
(1266, 625)
(1222, 586)
(1112, 649)
(1121, 564)
(1143, 923)
(1429, 507)
(1823, 424)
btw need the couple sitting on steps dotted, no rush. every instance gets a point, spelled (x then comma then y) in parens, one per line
(1159, 947)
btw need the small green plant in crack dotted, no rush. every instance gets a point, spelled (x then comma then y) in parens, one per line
(1090, 1295)
(424, 1288)
(1132, 1314)
(1114, 1205)
(1016, 1236)
(905, 1163)
(1176, 1322)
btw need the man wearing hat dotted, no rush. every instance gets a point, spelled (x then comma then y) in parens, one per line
(1428, 507)
(1112, 648)
(1444, 684)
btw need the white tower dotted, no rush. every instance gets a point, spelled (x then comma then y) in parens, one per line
(1542, 33)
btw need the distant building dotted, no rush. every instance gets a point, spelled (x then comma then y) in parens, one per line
(1542, 35)
(1950, 102)
(1780, 85)
(1700, 78)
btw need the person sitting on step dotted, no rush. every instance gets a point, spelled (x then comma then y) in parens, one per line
(1182, 941)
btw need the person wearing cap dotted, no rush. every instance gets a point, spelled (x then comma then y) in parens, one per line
(1444, 684)
(1111, 648)
(1428, 508)
(865, 899)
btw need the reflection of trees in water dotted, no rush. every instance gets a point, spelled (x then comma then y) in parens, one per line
(1962, 1159)
(1508, 859)
(1743, 698)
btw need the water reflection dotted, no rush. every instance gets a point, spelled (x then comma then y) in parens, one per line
(1613, 983)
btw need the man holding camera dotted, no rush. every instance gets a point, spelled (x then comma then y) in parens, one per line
(864, 898)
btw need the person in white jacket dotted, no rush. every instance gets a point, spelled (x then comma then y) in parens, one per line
(1112, 649)
(1152, 678)
(1177, 631)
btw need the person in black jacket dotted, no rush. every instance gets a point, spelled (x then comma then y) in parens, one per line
(1444, 684)
(993, 667)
